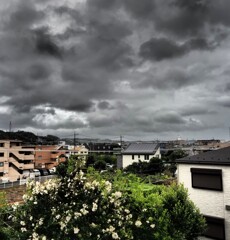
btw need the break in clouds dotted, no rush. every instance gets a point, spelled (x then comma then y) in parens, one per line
(150, 69)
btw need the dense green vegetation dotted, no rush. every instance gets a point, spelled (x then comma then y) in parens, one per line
(94, 205)
(155, 166)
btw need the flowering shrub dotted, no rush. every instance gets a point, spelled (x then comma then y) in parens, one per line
(90, 206)
(76, 207)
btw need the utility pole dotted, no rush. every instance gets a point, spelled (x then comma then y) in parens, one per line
(74, 140)
(121, 142)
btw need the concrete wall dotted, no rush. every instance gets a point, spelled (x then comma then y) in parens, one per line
(209, 202)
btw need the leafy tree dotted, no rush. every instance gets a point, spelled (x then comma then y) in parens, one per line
(90, 160)
(154, 166)
(100, 165)
(74, 162)
(171, 157)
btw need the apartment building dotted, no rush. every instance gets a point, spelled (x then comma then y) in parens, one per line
(48, 156)
(16, 161)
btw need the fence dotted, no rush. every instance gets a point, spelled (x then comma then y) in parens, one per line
(24, 181)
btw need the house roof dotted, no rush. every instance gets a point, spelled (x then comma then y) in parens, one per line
(213, 157)
(141, 148)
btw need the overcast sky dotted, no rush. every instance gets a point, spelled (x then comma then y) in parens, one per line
(149, 69)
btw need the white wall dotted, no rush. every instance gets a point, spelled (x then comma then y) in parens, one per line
(209, 202)
(127, 159)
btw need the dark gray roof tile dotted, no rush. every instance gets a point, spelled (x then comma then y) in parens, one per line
(144, 148)
(215, 157)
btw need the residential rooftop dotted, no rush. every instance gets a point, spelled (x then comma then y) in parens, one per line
(141, 148)
(213, 157)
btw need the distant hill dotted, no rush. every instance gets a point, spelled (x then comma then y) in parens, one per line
(29, 137)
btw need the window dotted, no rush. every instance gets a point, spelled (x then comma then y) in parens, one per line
(146, 157)
(139, 156)
(215, 228)
(1, 164)
(1, 154)
(207, 179)
(132, 157)
(1, 174)
(1, 144)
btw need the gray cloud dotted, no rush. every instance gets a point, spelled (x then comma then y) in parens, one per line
(111, 66)
(162, 48)
(196, 110)
(169, 118)
(104, 105)
(169, 79)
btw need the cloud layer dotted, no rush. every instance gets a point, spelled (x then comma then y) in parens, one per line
(148, 69)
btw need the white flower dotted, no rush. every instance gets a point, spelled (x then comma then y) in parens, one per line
(23, 229)
(115, 235)
(76, 230)
(138, 223)
(22, 223)
(40, 221)
(108, 186)
(152, 225)
(62, 224)
(68, 218)
(94, 208)
(117, 194)
(93, 225)
(84, 211)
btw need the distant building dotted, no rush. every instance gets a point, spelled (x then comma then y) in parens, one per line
(207, 178)
(16, 161)
(79, 150)
(48, 156)
(136, 152)
(104, 148)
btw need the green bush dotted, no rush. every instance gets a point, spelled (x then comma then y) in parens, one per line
(89, 206)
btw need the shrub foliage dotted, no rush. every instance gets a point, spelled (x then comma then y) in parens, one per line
(91, 206)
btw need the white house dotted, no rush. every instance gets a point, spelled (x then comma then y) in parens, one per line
(207, 178)
(136, 152)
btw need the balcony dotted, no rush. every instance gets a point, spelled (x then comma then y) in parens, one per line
(27, 166)
(23, 156)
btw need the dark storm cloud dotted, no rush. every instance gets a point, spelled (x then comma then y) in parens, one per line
(38, 71)
(50, 111)
(196, 110)
(103, 105)
(224, 102)
(23, 16)
(88, 59)
(45, 45)
(169, 79)
(162, 48)
(169, 118)
(140, 9)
